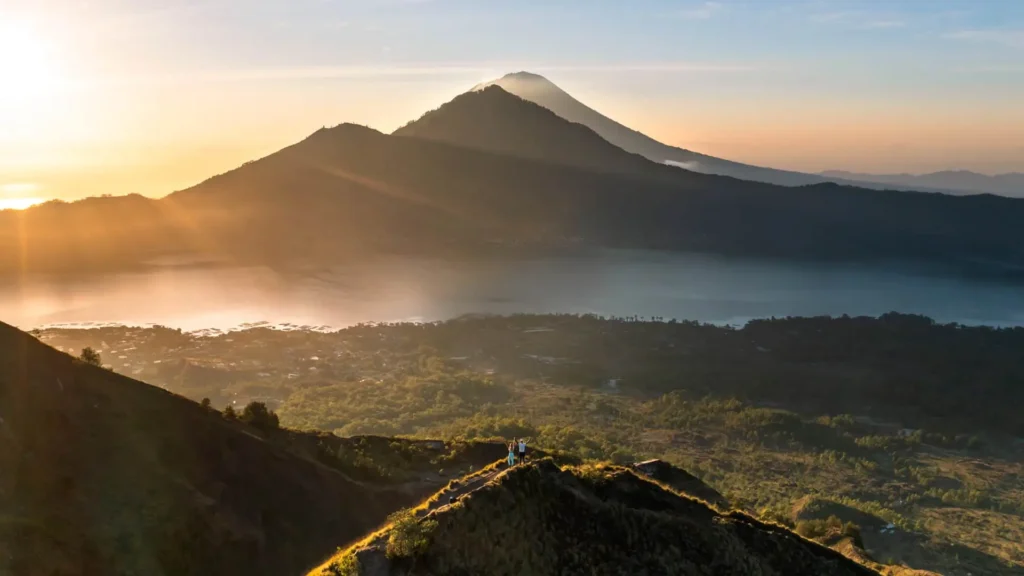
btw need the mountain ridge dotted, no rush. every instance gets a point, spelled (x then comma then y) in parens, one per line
(542, 91)
(350, 192)
(496, 120)
(568, 520)
(1010, 184)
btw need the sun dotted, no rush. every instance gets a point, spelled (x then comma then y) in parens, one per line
(28, 69)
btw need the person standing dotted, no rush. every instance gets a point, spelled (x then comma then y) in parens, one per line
(512, 453)
(522, 450)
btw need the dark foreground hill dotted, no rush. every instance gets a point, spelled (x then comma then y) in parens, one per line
(541, 519)
(352, 192)
(101, 475)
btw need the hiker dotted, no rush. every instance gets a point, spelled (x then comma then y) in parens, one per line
(522, 450)
(512, 453)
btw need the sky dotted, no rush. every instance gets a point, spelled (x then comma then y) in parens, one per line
(151, 96)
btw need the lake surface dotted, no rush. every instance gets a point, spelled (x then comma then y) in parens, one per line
(619, 283)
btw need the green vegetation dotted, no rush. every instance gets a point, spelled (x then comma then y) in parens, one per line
(256, 414)
(829, 529)
(408, 535)
(895, 420)
(91, 357)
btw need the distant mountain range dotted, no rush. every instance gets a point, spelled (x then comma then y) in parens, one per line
(541, 91)
(954, 181)
(491, 172)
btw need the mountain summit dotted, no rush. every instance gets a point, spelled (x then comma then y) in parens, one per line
(498, 121)
(540, 90)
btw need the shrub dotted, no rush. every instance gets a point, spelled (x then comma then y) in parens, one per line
(258, 415)
(408, 536)
(347, 565)
(831, 527)
(90, 356)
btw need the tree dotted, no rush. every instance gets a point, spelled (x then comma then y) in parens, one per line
(90, 356)
(229, 412)
(205, 403)
(256, 414)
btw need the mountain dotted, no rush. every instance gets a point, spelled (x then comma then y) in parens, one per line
(101, 474)
(542, 91)
(350, 192)
(954, 181)
(543, 519)
(495, 120)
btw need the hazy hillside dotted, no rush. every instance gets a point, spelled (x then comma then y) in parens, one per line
(956, 181)
(352, 192)
(540, 519)
(101, 474)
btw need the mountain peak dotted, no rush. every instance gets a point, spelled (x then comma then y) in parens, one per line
(516, 82)
(493, 119)
(524, 75)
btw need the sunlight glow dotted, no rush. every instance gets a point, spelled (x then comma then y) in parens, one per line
(19, 203)
(28, 69)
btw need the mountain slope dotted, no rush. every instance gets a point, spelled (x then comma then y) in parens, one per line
(540, 90)
(540, 519)
(351, 192)
(495, 120)
(101, 474)
(955, 181)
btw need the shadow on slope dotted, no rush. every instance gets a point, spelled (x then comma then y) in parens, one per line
(101, 474)
(681, 481)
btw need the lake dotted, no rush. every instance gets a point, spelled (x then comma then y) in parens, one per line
(618, 283)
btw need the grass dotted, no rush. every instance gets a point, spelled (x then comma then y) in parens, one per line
(540, 519)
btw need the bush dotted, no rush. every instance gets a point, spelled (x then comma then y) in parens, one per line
(348, 565)
(205, 403)
(408, 536)
(831, 527)
(256, 414)
(90, 356)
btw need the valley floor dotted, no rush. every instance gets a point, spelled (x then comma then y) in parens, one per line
(739, 409)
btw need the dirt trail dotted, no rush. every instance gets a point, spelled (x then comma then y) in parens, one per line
(451, 494)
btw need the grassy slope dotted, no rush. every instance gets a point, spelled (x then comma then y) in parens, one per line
(540, 519)
(101, 474)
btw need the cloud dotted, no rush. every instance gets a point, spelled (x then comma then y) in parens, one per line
(1011, 38)
(701, 12)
